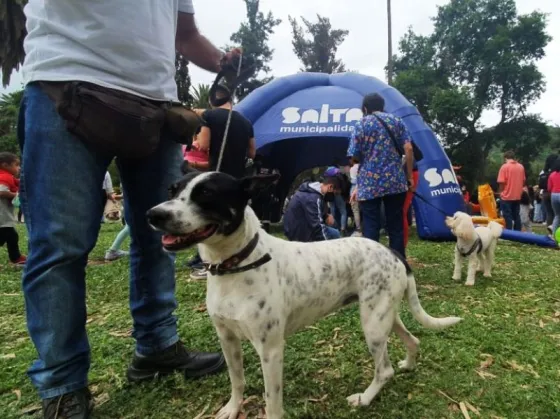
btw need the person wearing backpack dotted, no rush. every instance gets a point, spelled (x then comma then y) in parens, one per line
(377, 143)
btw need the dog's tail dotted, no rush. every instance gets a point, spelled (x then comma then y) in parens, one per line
(420, 314)
(496, 229)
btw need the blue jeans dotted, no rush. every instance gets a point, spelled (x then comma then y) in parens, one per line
(62, 201)
(372, 220)
(555, 201)
(332, 233)
(338, 211)
(511, 213)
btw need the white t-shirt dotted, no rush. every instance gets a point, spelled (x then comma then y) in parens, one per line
(7, 212)
(125, 44)
(354, 174)
(108, 183)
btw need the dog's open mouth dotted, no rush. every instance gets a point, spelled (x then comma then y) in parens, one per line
(173, 243)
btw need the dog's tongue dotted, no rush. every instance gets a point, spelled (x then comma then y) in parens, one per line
(169, 239)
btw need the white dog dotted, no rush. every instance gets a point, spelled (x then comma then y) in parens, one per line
(477, 244)
(262, 289)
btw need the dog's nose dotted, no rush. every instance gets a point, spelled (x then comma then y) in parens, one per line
(157, 216)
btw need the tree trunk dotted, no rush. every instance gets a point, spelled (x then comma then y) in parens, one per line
(389, 44)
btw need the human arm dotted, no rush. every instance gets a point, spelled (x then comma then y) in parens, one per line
(203, 139)
(502, 179)
(354, 151)
(192, 44)
(406, 140)
(314, 217)
(5, 192)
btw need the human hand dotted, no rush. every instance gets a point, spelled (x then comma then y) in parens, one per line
(330, 220)
(354, 195)
(411, 186)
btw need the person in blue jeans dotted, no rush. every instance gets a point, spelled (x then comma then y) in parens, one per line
(306, 218)
(382, 178)
(338, 206)
(100, 42)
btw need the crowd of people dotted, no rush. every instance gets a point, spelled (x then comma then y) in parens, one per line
(132, 58)
(383, 177)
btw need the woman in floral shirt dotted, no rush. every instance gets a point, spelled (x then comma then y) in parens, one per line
(381, 177)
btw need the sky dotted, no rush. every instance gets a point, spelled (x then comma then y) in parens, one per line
(365, 48)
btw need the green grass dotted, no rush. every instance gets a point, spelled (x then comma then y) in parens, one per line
(503, 359)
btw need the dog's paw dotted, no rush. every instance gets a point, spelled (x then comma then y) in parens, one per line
(405, 365)
(229, 411)
(456, 277)
(357, 400)
(487, 275)
(469, 283)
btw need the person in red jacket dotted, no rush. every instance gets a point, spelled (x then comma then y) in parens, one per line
(9, 188)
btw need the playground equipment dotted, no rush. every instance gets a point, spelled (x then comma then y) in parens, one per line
(489, 211)
(305, 120)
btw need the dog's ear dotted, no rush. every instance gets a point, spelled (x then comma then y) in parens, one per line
(254, 184)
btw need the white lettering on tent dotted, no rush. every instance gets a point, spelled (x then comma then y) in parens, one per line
(327, 115)
(442, 184)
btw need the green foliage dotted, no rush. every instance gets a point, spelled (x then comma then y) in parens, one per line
(183, 79)
(9, 110)
(12, 34)
(503, 358)
(200, 96)
(316, 45)
(481, 56)
(253, 36)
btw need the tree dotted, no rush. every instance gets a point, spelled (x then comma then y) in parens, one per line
(183, 79)
(12, 34)
(253, 36)
(9, 111)
(201, 96)
(318, 52)
(481, 57)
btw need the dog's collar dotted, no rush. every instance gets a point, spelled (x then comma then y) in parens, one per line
(476, 247)
(231, 265)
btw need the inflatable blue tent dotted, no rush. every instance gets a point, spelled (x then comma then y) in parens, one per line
(304, 121)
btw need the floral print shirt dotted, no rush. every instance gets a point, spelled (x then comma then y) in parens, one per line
(381, 168)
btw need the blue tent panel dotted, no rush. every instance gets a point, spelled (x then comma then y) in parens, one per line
(304, 120)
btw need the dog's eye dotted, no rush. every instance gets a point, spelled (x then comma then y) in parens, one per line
(205, 191)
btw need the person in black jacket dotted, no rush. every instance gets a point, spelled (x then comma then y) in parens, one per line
(306, 218)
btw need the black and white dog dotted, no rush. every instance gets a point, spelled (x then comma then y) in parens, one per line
(263, 289)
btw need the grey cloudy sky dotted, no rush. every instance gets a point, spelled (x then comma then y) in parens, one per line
(365, 48)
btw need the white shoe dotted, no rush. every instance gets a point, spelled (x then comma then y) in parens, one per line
(112, 255)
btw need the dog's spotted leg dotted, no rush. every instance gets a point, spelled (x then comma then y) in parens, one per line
(231, 347)
(457, 268)
(271, 354)
(377, 323)
(410, 341)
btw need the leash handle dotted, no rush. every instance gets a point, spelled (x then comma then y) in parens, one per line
(226, 131)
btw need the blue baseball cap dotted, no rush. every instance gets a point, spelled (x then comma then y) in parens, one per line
(331, 172)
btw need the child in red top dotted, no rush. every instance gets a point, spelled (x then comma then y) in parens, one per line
(9, 187)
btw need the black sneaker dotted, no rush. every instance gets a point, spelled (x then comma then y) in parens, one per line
(175, 358)
(75, 405)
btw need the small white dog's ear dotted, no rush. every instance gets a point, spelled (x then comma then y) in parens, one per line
(464, 230)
